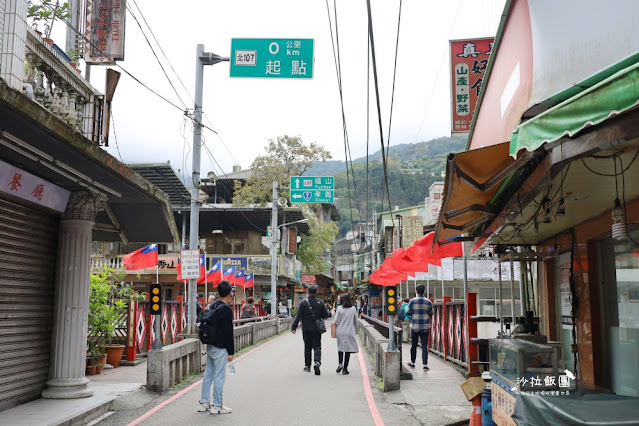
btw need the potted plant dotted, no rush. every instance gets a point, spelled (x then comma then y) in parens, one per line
(108, 305)
(72, 53)
(45, 12)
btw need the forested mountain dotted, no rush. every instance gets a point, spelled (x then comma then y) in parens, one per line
(412, 168)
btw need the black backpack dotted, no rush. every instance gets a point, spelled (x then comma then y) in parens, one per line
(207, 324)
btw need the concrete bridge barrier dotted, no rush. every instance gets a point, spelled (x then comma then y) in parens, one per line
(169, 365)
(387, 363)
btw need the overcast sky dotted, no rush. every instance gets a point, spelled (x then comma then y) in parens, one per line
(248, 112)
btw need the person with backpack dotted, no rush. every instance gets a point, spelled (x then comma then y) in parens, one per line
(216, 331)
(403, 316)
(310, 313)
(248, 310)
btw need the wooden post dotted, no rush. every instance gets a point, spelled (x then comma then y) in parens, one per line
(472, 351)
(444, 328)
(180, 311)
(132, 331)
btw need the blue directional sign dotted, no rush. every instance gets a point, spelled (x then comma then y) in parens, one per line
(272, 58)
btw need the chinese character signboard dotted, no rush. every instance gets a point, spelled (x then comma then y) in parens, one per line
(309, 279)
(105, 31)
(190, 263)
(24, 185)
(272, 58)
(468, 62)
(412, 229)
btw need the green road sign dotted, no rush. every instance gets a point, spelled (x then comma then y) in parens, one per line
(311, 196)
(312, 182)
(272, 58)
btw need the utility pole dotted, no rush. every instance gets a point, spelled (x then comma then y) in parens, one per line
(201, 59)
(273, 253)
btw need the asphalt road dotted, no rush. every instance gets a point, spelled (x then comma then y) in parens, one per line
(270, 388)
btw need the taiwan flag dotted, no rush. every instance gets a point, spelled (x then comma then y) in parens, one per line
(146, 257)
(229, 274)
(213, 276)
(239, 278)
(248, 280)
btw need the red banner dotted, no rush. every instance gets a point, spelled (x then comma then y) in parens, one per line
(468, 63)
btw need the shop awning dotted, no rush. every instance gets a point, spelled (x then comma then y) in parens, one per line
(606, 99)
(473, 179)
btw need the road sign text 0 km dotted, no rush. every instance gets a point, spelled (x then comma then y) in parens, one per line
(272, 58)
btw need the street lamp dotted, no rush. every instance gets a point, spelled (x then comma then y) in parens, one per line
(202, 58)
(274, 244)
(219, 231)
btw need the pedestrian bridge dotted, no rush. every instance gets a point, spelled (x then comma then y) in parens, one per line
(269, 388)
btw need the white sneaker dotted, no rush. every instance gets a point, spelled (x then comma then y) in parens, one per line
(220, 410)
(204, 406)
(410, 364)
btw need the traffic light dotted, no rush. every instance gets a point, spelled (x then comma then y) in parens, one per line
(156, 299)
(390, 294)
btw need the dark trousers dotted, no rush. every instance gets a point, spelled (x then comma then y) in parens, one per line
(312, 340)
(343, 358)
(414, 337)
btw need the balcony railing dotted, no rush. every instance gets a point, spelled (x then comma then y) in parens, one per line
(59, 88)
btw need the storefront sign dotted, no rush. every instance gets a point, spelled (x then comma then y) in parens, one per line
(565, 296)
(21, 184)
(503, 404)
(240, 263)
(105, 31)
(309, 279)
(468, 62)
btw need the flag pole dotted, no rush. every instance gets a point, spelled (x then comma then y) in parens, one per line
(157, 274)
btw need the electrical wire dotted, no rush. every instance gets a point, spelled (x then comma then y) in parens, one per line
(210, 127)
(371, 39)
(162, 50)
(625, 206)
(114, 134)
(390, 118)
(61, 18)
(337, 62)
(155, 55)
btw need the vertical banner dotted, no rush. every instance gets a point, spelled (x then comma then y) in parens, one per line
(412, 229)
(468, 63)
(105, 22)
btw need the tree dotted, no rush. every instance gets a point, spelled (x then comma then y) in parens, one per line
(315, 244)
(286, 156)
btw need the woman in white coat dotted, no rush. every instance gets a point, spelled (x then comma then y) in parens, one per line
(346, 320)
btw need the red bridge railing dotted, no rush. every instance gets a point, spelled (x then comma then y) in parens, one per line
(448, 337)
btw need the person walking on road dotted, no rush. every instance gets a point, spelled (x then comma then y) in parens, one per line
(220, 349)
(314, 309)
(248, 310)
(420, 309)
(346, 320)
(405, 320)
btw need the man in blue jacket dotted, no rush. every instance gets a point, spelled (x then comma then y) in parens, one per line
(219, 350)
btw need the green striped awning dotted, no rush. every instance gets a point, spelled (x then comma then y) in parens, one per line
(606, 99)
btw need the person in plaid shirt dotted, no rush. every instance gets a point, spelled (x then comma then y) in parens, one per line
(420, 309)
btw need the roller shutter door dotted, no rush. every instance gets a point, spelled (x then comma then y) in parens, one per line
(28, 246)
